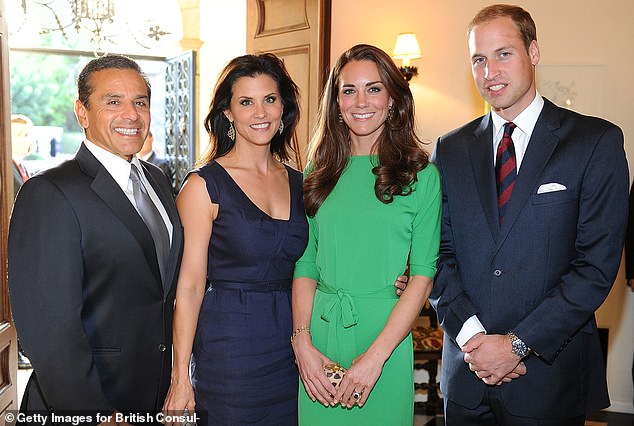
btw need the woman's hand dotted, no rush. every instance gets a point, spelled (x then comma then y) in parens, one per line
(180, 397)
(311, 364)
(359, 380)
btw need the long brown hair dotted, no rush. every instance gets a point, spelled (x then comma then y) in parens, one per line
(400, 154)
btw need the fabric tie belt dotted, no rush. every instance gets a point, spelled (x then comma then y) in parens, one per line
(263, 286)
(340, 312)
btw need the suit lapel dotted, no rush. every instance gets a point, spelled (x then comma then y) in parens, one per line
(177, 235)
(107, 189)
(540, 148)
(482, 164)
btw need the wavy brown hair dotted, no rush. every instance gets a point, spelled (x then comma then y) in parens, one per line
(400, 154)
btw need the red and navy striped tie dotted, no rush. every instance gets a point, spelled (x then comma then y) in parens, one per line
(505, 169)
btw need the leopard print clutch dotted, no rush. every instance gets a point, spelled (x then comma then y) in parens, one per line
(335, 373)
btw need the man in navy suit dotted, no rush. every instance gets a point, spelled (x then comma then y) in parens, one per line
(91, 297)
(534, 216)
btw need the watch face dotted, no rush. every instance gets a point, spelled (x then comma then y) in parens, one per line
(519, 348)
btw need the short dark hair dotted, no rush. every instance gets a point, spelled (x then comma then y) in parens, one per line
(521, 18)
(217, 124)
(84, 86)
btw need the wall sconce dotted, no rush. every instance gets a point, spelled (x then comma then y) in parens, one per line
(406, 49)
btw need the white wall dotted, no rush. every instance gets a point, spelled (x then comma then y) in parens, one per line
(223, 29)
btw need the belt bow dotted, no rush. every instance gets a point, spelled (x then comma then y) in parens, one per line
(341, 306)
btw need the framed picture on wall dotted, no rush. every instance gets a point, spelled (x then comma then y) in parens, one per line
(576, 87)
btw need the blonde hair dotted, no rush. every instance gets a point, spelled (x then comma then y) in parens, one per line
(21, 119)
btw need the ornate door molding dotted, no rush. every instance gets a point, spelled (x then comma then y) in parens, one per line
(297, 31)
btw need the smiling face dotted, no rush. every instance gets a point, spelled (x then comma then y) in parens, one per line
(119, 115)
(363, 100)
(255, 109)
(503, 71)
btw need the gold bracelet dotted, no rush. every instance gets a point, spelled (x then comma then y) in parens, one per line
(299, 330)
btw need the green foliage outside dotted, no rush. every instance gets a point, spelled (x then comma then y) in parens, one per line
(71, 141)
(43, 88)
(44, 83)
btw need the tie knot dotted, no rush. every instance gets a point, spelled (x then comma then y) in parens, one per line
(134, 174)
(508, 128)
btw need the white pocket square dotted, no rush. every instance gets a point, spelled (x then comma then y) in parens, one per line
(550, 187)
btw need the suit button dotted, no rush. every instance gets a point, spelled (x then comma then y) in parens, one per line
(497, 272)
(162, 347)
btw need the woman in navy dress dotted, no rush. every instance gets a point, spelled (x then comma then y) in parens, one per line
(245, 227)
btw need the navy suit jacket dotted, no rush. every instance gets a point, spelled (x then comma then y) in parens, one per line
(89, 305)
(545, 271)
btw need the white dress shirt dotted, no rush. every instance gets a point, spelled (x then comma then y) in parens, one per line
(119, 169)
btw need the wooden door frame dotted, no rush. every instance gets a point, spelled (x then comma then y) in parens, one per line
(298, 29)
(8, 339)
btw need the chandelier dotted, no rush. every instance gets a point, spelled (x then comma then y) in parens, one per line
(104, 23)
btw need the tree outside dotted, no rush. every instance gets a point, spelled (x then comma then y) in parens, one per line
(43, 87)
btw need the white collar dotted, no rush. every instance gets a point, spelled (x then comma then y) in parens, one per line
(525, 120)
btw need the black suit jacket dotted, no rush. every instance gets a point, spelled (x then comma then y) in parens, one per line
(545, 271)
(87, 298)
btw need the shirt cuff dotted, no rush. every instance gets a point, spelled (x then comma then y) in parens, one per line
(470, 328)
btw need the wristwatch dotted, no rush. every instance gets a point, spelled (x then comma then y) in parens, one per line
(518, 347)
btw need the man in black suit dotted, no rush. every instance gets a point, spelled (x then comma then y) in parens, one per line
(534, 216)
(91, 295)
(21, 127)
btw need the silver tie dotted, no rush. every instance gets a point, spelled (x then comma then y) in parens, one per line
(152, 218)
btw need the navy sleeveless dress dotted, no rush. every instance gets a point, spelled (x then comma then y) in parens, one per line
(243, 366)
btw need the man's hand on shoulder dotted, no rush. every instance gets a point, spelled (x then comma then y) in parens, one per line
(401, 284)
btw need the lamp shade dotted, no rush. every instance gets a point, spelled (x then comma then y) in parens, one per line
(406, 48)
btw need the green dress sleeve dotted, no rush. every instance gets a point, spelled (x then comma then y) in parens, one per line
(306, 266)
(426, 226)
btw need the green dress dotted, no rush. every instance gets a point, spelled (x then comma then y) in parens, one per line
(357, 246)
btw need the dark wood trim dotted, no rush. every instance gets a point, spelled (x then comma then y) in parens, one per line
(8, 339)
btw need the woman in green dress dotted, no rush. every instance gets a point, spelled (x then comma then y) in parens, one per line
(373, 204)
